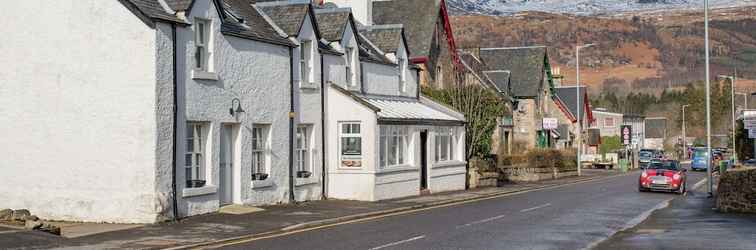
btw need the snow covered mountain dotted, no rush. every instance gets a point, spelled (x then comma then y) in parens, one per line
(582, 7)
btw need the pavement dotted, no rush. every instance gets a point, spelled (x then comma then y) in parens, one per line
(222, 228)
(575, 216)
(690, 223)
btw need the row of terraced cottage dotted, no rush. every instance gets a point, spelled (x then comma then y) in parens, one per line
(141, 111)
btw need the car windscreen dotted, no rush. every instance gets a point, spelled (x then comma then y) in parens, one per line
(646, 154)
(699, 153)
(667, 165)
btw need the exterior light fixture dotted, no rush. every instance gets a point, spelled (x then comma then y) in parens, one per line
(238, 109)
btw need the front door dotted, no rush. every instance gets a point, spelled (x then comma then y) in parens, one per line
(424, 160)
(225, 187)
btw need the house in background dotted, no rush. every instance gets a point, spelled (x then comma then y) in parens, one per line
(567, 107)
(523, 72)
(637, 124)
(428, 31)
(607, 122)
(655, 132)
(473, 71)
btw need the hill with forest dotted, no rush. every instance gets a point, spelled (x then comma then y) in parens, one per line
(637, 54)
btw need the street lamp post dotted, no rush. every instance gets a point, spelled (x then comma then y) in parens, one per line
(710, 184)
(685, 145)
(732, 104)
(577, 109)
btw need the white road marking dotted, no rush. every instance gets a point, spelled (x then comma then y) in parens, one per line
(699, 184)
(398, 242)
(534, 208)
(483, 221)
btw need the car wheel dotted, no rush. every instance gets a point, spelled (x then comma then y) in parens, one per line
(681, 190)
(640, 189)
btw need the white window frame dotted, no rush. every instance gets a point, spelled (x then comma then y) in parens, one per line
(349, 133)
(439, 75)
(305, 62)
(303, 148)
(402, 63)
(260, 139)
(393, 139)
(349, 66)
(202, 44)
(606, 125)
(444, 148)
(196, 135)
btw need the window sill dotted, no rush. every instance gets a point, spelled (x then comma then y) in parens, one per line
(447, 164)
(192, 192)
(397, 168)
(263, 183)
(308, 85)
(306, 181)
(204, 75)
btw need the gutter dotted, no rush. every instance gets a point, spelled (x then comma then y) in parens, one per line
(324, 177)
(175, 123)
(291, 126)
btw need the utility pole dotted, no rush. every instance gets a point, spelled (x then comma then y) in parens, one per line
(710, 184)
(578, 107)
(685, 145)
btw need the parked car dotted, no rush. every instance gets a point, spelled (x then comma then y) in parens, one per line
(667, 176)
(699, 159)
(645, 156)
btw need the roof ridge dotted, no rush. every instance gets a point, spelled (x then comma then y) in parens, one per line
(332, 10)
(382, 26)
(280, 3)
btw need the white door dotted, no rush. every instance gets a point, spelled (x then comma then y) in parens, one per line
(226, 165)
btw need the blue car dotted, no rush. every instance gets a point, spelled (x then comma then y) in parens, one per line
(699, 159)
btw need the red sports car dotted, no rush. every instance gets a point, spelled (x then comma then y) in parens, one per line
(666, 175)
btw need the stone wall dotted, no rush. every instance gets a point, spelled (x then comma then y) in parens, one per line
(737, 191)
(525, 173)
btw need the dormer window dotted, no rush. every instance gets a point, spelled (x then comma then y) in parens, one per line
(305, 61)
(201, 41)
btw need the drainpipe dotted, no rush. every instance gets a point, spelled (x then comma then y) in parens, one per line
(323, 194)
(175, 124)
(291, 126)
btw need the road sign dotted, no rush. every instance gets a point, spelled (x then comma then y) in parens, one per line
(627, 134)
(550, 123)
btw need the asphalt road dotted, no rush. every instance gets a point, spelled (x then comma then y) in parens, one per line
(569, 217)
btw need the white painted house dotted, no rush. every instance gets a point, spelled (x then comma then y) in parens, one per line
(150, 110)
(383, 139)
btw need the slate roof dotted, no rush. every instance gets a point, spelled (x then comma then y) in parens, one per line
(386, 37)
(179, 5)
(593, 136)
(419, 18)
(256, 26)
(526, 65)
(656, 127)
(500, 78)
(288, 17)
(568, 97)
(332, 23)
(371, 53)
(152, 9)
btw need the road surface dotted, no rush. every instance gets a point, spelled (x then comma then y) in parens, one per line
(570, 217)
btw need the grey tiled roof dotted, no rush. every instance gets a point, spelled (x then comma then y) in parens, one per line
(289, 17)
(179, 5)
(526, 65)
(386, 38)
(500, 79)
(152, 9)
(656, 127)
(332, 23)
(255, 25)
(370, 53)
(419, 18)
(569, 96)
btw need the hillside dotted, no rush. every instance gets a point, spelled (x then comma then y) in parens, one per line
(583, 7)
(646, 52)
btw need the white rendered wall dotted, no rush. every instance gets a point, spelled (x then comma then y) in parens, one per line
(448, 175)
(78, 104)
(350, 183)
(361, 9)
(259, 75)
(384, 79)
(335, 65)
(307, 102)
